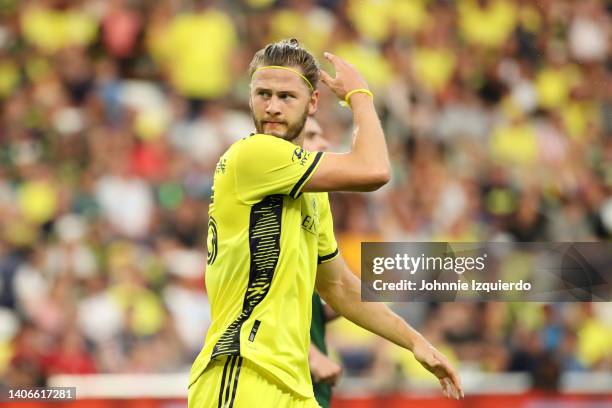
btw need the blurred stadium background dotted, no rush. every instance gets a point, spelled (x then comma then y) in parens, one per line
(113, 114)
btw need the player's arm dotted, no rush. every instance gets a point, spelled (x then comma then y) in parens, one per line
(366, 167)
(341, 289)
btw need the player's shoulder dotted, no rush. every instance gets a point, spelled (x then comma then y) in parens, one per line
(262, 140)
(268, 147)
(253, 141)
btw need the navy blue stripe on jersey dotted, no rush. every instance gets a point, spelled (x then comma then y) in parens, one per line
(325, 258)
(298, 186)
(231, 403)
(228, 387)
(264, 245)
(221, 389)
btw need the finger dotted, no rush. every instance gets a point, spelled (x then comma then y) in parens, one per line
(335, 60)
(454, 390)
(326, 78)
(456, 381)
(447, 390)
(459, 392)
(451, 373)
(331, 379)
(334, 379)
(444, 390)
(450, 389)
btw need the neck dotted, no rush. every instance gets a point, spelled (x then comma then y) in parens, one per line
(299, 141)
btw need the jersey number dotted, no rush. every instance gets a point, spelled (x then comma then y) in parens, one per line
(211, 241)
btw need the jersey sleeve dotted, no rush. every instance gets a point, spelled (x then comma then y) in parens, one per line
(267, 165)
(328, 248)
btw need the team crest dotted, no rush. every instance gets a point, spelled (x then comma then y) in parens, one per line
(300, 155)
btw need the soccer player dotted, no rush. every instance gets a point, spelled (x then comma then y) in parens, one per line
(324, 371)
(271, 241)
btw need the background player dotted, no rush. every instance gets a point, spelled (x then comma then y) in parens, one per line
(325, 372)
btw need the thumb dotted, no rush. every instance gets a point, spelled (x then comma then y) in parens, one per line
(432, 361)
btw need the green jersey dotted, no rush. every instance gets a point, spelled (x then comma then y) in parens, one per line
(322, 391)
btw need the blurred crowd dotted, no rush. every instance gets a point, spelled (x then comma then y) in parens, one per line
(114, 113)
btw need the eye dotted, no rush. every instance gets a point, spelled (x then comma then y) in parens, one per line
(265, 94)
(285, 96)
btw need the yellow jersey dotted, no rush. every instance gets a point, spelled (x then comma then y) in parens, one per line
(265, 239)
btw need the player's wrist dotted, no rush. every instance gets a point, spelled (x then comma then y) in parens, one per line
(417, 341)
(357, 95)
(360, 96)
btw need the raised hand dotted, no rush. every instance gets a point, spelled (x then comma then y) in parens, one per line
(347, 77)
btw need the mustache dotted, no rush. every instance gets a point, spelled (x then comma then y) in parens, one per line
(273, 121)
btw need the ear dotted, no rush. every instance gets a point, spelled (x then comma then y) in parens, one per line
(314, 102)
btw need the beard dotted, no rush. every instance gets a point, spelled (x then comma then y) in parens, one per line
(292, 131)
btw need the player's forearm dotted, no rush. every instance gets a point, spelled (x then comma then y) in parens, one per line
(341, 290)
(344, 296)
(369, 145)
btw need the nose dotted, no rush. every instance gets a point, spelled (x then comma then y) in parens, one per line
(273, 107)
